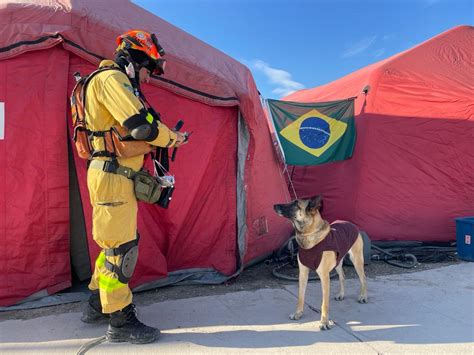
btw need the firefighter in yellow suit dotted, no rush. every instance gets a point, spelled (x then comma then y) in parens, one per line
(113, 97)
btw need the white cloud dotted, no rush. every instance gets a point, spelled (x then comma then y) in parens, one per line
(283, 81)
(379, 52)
(359, 47)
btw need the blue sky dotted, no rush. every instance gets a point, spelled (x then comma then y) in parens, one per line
(294, 44)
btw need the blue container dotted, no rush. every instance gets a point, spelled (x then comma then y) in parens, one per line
(465, 238)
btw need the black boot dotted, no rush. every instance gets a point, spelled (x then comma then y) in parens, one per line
(124, 326)
(92, 312)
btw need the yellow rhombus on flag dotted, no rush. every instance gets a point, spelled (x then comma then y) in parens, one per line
(314, 132)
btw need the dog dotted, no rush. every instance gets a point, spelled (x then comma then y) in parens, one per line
(317, 241)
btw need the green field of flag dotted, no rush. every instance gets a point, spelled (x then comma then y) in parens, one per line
(314, 133)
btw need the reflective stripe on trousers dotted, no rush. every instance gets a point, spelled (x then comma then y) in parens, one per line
(114, 295)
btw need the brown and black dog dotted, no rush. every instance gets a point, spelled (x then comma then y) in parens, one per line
(321, 247)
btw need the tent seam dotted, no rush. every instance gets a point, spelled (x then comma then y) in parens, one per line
(168, 81)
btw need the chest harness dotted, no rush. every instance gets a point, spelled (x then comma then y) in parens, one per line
(118, 143)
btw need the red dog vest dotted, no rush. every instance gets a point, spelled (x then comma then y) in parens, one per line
(340, 239)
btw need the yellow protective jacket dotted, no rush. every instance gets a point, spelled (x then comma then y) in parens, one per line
(110, 100)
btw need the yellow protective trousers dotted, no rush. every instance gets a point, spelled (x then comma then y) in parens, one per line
(114, 222)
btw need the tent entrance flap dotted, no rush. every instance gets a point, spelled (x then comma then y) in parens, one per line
(80, 259)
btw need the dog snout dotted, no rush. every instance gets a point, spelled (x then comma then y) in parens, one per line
(278, 209)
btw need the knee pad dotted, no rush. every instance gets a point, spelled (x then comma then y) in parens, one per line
(128, 254)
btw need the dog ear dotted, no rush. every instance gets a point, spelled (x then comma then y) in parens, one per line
(315, 203)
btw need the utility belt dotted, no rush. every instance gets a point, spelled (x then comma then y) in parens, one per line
(148, 188)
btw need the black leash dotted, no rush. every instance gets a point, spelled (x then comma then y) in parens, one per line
(90, 344)
(405, 260)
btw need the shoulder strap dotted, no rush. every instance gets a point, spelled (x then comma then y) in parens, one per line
(87, 80)
(78, 98)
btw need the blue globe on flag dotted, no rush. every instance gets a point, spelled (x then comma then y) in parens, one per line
(314, 132)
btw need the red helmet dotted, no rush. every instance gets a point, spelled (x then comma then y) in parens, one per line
(146, 43)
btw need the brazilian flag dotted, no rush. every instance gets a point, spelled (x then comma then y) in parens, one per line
(314, 133)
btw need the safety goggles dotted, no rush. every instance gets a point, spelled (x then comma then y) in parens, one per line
(156, 66)
(161, 51)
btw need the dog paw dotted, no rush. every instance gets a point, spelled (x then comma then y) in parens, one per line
(296, 316)
(362, 299)
(326, 325)
(339, 297)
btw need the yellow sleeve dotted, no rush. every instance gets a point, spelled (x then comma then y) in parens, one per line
(118, 98)
(166, 137)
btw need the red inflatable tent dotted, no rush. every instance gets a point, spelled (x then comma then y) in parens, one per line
(412, 169)
(221, 216)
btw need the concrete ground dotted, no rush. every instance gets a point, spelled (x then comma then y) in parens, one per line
(428, 312)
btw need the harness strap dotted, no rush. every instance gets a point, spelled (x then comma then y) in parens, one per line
(122, 249)
(125, 266)
(111, 267)
(98, 133)
(112, 166)
(103, 153)
(81, 85)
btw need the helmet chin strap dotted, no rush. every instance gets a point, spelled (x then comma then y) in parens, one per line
(124, 60)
